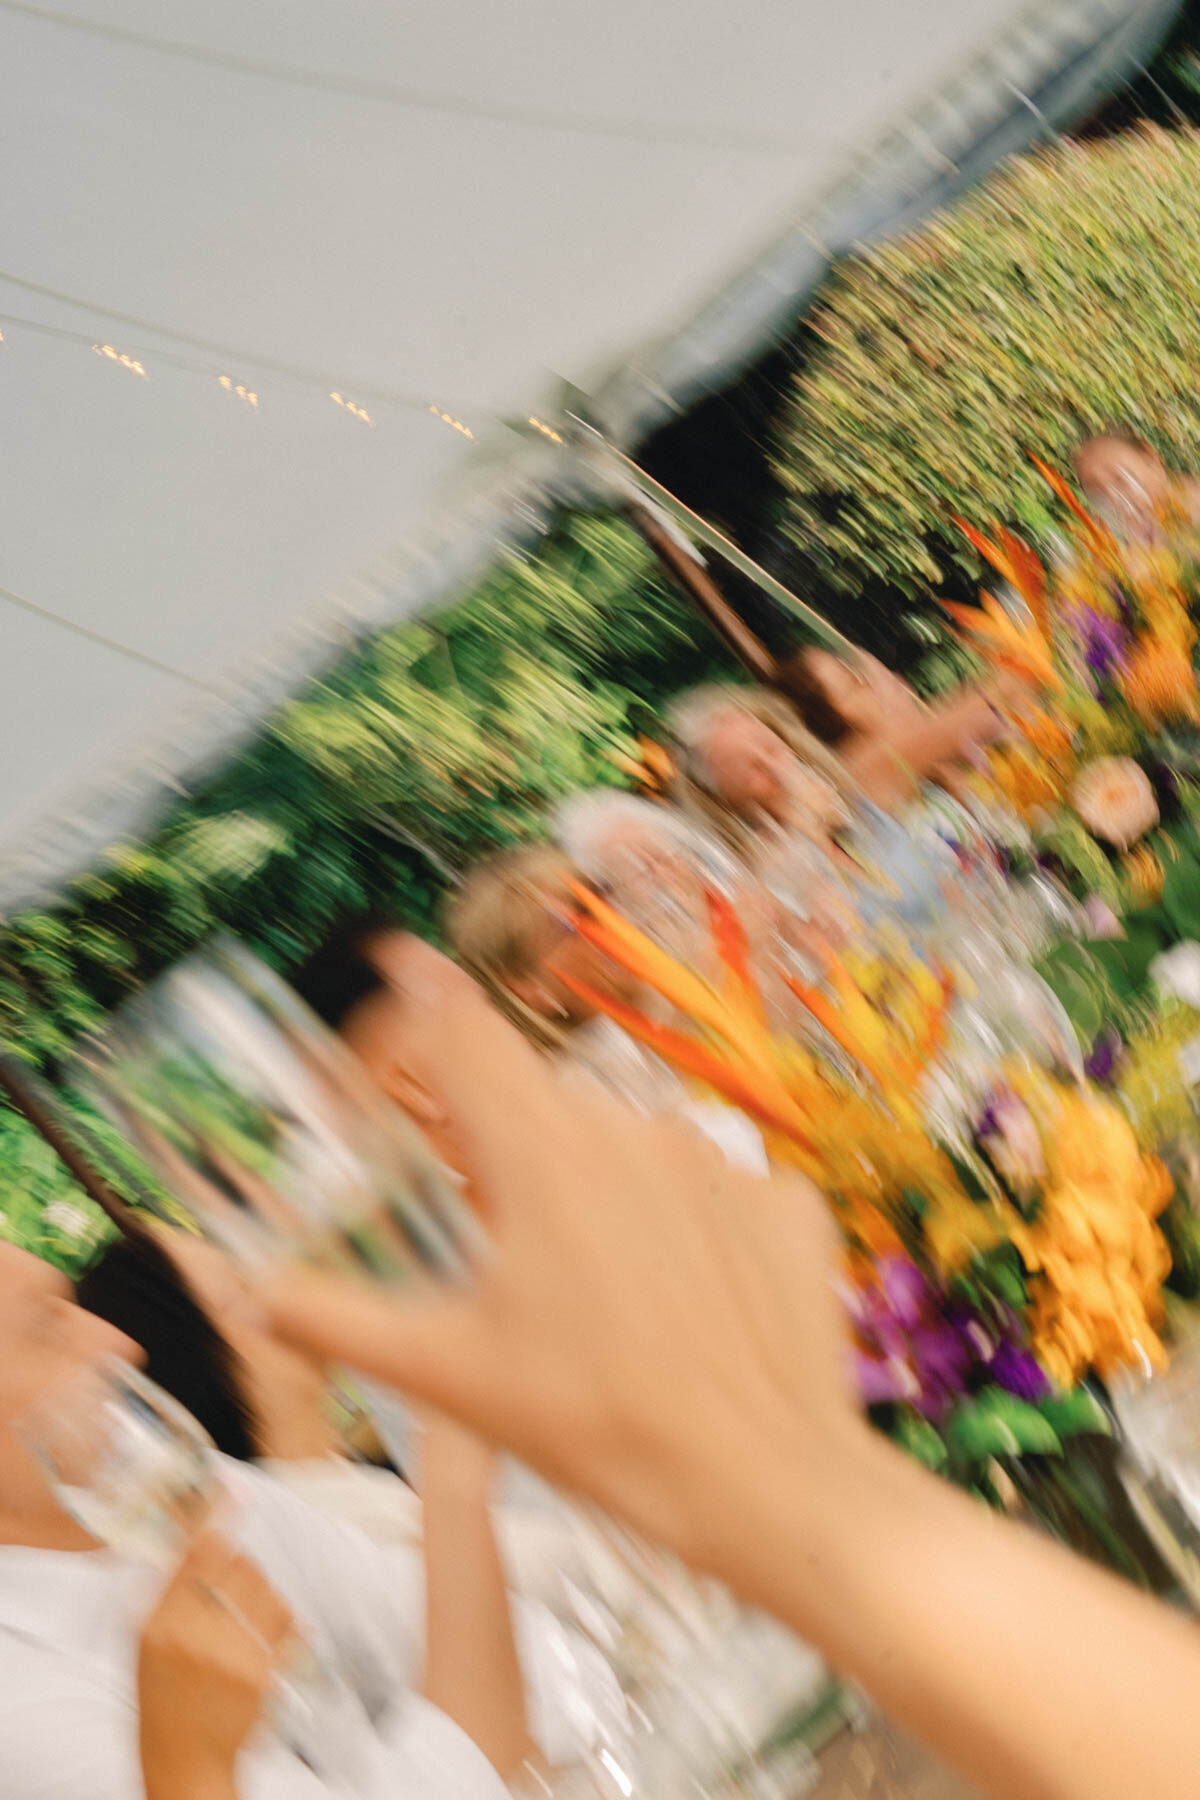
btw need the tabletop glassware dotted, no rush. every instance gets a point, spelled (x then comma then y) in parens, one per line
(1159, 1419)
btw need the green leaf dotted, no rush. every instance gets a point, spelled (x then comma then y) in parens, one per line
(1077, 1414)
(997, 1424)
(974, 1434)
(1181, 894)
(918, 1437)
(1034, 1433)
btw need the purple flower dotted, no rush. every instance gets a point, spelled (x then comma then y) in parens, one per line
(1103, 1057)
(918, 1348)
(941, 1360)
(906, 1292)
(883, 1382)
(1104, 642)
(910, 1347)
(1019, 1372)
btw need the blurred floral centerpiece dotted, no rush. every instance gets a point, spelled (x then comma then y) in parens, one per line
(984, 1280)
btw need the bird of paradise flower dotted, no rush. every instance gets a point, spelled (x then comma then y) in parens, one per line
(727, 1041)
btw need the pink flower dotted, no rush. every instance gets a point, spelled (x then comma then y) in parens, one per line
(1014, 1143)
(1102, 922)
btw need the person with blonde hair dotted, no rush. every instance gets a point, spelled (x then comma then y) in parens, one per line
(807, 819)
(510, 926)
(748, 767)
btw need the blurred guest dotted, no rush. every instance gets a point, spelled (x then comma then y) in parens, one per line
(747, 769)
(354, 985)
(1129, 487)
(834, 857)
(510, 925)
(890, 739)
(190, 1309)
(103, 1697)
(654, 866)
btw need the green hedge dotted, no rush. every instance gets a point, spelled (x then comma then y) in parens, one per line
(435, 743)
(1061, 297)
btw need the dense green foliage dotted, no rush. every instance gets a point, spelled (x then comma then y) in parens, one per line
(1061, 297)
(433, 744)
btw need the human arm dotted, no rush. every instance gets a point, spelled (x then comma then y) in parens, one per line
(934, 740)
(206, 1661)
(659, 1333)
(471, 1667)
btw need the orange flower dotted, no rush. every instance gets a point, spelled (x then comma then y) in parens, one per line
(1099, 538)
(652, 768)
(1023, 650)
(1016, 562)
(1145, 874)
(1028, 783)
(1097, 1257)
(1160, 683)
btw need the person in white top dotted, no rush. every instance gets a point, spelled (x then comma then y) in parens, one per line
(517, 1680)
(75, 1658)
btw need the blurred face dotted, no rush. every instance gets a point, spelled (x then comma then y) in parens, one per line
(44, 1339)
(644, 866)
(750, 767)
(866, 693)
(382, 1036)
(1126, 485)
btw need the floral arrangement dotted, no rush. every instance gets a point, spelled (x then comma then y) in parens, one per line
(1107, 634)
(984, 1282)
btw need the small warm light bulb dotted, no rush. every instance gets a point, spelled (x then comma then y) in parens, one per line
(226, 382)
(253, 399)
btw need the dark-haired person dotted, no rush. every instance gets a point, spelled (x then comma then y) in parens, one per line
(260, 1399)
(889, 739)
(508, 925)
(111, 1690)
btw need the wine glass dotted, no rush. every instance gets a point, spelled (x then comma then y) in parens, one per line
(266, 1132)
(138, 1473)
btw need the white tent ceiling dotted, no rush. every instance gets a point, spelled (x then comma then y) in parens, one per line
(426, 210)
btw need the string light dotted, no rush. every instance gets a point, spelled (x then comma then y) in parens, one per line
(455, 424)
(358, 411)
(547, 431)
(243, 393)
(126, 362)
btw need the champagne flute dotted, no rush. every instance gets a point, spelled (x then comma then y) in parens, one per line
(269, 1137)
(135, 1470)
